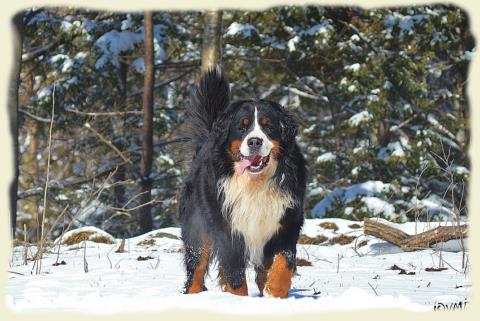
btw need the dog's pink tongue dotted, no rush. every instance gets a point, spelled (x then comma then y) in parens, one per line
(242, 166)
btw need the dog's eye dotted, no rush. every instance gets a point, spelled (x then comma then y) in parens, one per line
(242, 129)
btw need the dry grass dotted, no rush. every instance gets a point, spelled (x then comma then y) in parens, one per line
(342, 239)
(354, 225)
(304, 239)
(144, 258)
(362, 243)
(147, 242)
(303, 262)
(121, 247)
(163, 234)
(76, 238)
(329, 226)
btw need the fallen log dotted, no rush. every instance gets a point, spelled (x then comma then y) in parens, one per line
(419, 241)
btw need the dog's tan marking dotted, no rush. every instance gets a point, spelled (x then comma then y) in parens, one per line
(245, 121)
(234, 148)
(264, 121)
(226, 287)
(199, 274)
(279, 278)
(276, 148)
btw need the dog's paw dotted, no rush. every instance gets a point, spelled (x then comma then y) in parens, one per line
(276, 291)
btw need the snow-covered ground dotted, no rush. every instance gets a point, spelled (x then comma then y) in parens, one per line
(149, 275)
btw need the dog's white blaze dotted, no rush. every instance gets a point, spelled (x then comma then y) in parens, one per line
(259, 133)
(255, 208)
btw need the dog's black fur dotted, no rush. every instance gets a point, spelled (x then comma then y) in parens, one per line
(211, 117)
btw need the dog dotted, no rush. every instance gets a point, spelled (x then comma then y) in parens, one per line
(242, 201)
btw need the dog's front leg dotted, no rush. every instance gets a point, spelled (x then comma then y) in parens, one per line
(274, 276)
(232, 265)
(279, 275)
(234, 282)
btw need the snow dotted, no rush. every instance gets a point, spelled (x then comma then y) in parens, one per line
(319, 29)
(62, 197)
(347, 194)
(139, 65)
(340, 278)
(393, 149)
(436, 124)
(315, 191)
(67, 65)
(362, 145)
(353, 68)
(323, 29)
(292, 43)
(326, 157)
(81, 55)
(460, 170)
(378, 206)
(355, 38)
(56, 58)
(434, 205)
(468, 55)
(355, 170)
(246, 30)
(127, 24)
(113, 43)
(66, 26)
(312, 82)
(372, 98)
(406, 23)
(359, 118)
(45, 92)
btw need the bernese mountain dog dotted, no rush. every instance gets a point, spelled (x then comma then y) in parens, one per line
(242, 201)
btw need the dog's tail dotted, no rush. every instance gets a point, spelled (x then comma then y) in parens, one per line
(209, 99)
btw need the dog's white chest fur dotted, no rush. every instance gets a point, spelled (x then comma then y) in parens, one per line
(254, 207)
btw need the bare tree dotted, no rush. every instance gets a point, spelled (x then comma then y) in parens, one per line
(211, 45)
(17, 22)
(146, 223)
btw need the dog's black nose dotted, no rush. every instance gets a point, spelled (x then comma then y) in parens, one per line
(254, 142)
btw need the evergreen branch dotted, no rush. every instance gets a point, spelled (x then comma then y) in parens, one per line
(162, 83)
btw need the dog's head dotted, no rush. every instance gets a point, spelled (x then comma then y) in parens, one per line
(257, 133)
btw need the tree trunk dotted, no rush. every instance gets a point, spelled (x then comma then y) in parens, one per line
(211, 45)
(17, 22)
(147, 141)
(384, 232)
(413, 242)
(30, 175)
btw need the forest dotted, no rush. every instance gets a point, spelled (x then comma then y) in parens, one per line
(100, 98)
(380, 96)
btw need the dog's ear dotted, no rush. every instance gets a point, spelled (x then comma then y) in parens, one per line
(289, 125)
